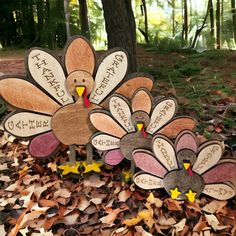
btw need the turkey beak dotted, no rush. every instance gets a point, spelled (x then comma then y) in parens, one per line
(139, 126)
(186, 165)
(80, 90)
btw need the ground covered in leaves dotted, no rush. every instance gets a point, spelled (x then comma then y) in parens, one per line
(36, 200)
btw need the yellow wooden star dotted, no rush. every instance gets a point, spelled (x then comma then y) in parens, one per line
(70, 168)
(191, 195)
(175, 193)
(127, 175)
(94, 166)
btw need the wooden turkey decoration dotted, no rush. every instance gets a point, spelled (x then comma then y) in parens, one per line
(185, 169)
(53, 102)
(131, 125)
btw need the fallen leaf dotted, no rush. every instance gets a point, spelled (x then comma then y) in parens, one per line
(109, 219)
(156, 201)
(2, 230)
(124, 195)
(161, 220)
(173, 205)
(43, 233)
(5, 178)
(93, 181)
(64, 193)
(96, 201)
(214, 223)
(132, 221)
(83, 203)
(180, 226)
(30, 178)
(3, 166)
(214, 206)
(143, 232)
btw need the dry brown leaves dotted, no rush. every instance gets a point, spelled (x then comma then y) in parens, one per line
(35, 200)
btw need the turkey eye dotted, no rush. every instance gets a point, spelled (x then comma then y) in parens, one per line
(83, 80)
(75, 80)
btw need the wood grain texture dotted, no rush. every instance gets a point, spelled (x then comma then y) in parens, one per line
(162, 114)
(164, 151)
(46, 70)
(22, 94)
(219, 191)
(186, 140)
(147, 181)
(172, 129)
(105, 142)
(142, 101)
(26, 124)
(184, 182)
(103, 122)
(71, 124)
(113, 157)
(79, 78)
(120, 110)
(79, 55)
(148, 163)
(134, 82)
(208, 156)
(111, 71)
(220, 173)
(133, 141)
(44, 145)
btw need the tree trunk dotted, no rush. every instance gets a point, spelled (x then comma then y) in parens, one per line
(120, 28)
(212, 23)
(83, 16)
(185, 20)
(233, 7)
(199, 30)
(145, 20)
(218, 29)
(173, 17)
(40, 16)
(67, 18)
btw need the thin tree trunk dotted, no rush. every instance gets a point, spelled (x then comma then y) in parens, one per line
(218, 23)
(212, 22)
(120, 28)
(233, 7)
(199, 30)
(173, 17)
(185, 20)
(83, 15)
(67, 18)
(145, 20)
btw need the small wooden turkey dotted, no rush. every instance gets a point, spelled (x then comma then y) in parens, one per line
(53, 102)
(185, 169)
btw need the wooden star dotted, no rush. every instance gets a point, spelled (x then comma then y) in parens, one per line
(94, 166)
(66, 169)
(175, 193)
(191, 195)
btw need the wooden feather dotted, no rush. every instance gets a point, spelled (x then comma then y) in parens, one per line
(22, 94)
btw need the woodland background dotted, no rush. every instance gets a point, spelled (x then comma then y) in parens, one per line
(189, 48)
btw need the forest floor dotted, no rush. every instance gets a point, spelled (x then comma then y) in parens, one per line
(35, 200)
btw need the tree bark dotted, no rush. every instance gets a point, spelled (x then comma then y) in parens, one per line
(185, 20)
(233, 7)
(67, 18)
(120, 28)
(212, 23)
(83, 16)
(173, 18)
(218, 29)
(199, 30)
(145, 20)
